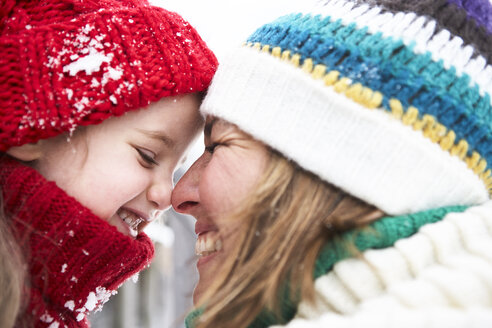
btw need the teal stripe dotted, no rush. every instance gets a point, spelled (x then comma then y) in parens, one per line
(380, 234)
(381, 51)
(390, 67)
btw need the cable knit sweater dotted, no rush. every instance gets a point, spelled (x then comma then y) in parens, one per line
(440, 276)
(75, 260)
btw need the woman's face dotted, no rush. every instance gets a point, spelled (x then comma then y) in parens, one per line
(213, 188)
(122, 168)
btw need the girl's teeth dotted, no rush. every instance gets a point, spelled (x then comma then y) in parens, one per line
(207, 244)
(132, 220)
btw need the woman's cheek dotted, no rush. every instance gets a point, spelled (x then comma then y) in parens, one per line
(217, 188)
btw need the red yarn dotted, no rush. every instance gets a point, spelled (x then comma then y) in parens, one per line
(140, 53)
(75, 259)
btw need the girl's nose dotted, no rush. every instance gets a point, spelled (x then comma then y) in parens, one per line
(159, 193)
(185, 197)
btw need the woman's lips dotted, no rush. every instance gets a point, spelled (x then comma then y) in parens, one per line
(208, 243)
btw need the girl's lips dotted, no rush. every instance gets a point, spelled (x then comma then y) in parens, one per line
(132, 221)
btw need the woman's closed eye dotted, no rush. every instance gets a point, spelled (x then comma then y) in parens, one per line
(147, 156)
(211, 147)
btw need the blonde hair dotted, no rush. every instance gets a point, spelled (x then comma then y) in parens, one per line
(284, 224)
(12, 275)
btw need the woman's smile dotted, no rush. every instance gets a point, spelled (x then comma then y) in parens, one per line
(212, 190)
(208, 243)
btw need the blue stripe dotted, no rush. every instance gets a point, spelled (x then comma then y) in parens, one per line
(387, 65)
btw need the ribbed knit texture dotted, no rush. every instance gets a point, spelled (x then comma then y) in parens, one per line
(76, 260)
(439, 277)
(69, 63)
(470, 19)
(378, 235)
(388, 100)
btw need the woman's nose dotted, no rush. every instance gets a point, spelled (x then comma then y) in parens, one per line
(159, 193)
(185, 196)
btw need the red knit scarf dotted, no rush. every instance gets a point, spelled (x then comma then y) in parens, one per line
(75, 259)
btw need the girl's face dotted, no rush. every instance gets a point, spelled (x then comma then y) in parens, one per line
(213, 188)
(122, 168)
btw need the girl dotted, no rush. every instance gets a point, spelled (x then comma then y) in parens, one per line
(346, 177)
(99, 102)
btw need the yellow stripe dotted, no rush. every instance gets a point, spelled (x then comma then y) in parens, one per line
(319, 72)
(295, 60)
(277, 52)
(331, 78)
(448, 141)
(396, 108)
(286, 55)
(410, 116)
(369, 98)
(307, 66)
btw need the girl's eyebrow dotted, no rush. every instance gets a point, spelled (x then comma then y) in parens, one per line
(161, 136)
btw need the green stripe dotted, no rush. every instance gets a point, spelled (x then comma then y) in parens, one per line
(381, 234)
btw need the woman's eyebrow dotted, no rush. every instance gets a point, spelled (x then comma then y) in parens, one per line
(207, 130)
(161, 136)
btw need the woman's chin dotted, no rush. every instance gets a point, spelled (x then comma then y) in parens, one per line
(197, 294)
(204, 282)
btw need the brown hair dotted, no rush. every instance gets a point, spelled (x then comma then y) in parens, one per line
(12, 274)
(284, 224)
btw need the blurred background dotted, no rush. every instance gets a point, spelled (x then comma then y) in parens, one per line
(161, 295)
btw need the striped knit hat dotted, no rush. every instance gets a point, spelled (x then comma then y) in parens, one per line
(388, 100)
(65, 63)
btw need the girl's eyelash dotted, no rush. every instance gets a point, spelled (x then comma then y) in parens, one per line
(148, 159)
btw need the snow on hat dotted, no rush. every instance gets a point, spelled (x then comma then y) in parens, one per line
(388, 100)
(65, 63)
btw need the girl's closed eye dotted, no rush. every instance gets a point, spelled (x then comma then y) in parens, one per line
(147, 156)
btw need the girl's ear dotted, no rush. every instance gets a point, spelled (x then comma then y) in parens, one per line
(26, 153)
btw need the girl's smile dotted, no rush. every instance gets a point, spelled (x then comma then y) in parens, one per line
(122, 169)
(132, 220)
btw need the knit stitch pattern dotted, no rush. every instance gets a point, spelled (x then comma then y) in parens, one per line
(390, 67)
(381, 234)
(440, 276)
(468, 19)
(327, 73)
(76, 260)
(65, 64)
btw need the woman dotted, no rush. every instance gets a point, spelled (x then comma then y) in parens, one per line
(345, 180)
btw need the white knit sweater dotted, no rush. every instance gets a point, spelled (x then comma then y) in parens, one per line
(439, 277)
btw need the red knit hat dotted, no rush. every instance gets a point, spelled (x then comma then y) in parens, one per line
(65, 63)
